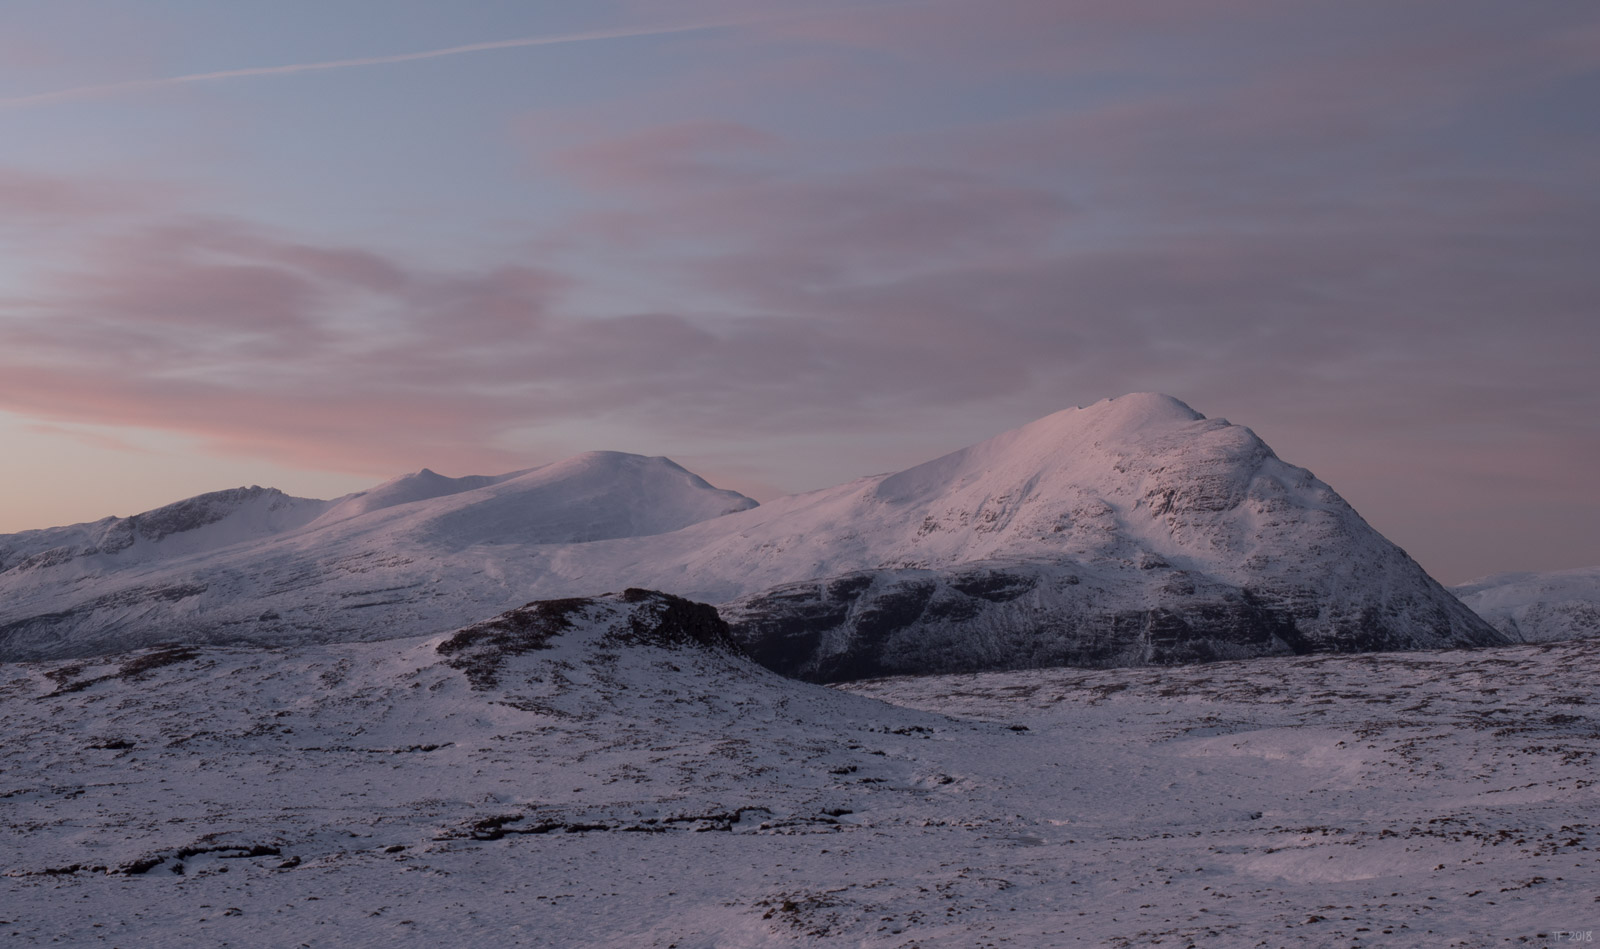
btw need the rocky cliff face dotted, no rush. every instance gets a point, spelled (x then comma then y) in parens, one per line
(992, 616)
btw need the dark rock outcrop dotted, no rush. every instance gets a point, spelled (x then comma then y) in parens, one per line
(633, 618)
(878, 623)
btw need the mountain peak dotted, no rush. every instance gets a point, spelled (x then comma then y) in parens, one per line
(596, 495)
(1130, 530)
(1070, 445)
(1148, 404)
(423, 485)
(1123, 417)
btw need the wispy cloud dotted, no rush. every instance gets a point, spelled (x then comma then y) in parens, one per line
(521, 42)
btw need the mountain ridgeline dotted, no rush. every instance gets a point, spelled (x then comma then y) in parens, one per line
(1538, 607)
(1133, 531)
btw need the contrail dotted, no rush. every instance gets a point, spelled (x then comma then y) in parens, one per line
(88, 92)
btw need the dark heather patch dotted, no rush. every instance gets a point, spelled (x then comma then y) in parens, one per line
(150, 861)
(166, 654)
(671, 622)
(480, 649)
(494, 828)
(65, 674)
(646, 618)
(112, 744)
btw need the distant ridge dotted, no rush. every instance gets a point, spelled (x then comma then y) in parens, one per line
(1130, 531)
(1538, 607)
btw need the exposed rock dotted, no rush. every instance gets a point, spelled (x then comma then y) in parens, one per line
(632, 619)
(897, 622)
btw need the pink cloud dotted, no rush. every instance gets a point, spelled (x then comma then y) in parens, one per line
(98, 440)
(805, 231)
(34, 197)
(676, 155)
(345, 359)
(214, 295)
(910, 292)
(340, 265)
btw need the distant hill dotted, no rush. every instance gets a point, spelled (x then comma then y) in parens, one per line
(1538, 607)
(1131, 531)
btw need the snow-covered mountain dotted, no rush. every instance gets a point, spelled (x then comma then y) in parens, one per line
(416, 554)
(1130, 531)
(599, 495)
(1133, 531)
(1538, 607)
(199, 524)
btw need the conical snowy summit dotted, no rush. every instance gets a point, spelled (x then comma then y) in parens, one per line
(1133, 531)
(1130, 531)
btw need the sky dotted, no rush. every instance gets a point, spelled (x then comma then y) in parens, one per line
(315, 244)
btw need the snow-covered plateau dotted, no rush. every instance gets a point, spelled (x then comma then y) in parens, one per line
(613, 772)
(1538, 607)
(1134, 531)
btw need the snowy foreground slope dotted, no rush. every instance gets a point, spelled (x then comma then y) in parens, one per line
(1132, 531)
(1538, 607)
(609, 773)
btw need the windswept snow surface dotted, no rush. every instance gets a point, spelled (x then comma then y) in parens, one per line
(609, 772)
(1538, 607)
(1135, 531)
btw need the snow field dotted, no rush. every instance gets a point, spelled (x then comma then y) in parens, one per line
(606, 795)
